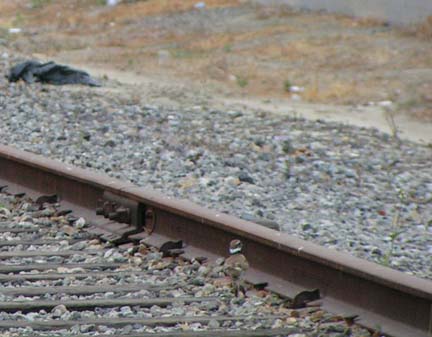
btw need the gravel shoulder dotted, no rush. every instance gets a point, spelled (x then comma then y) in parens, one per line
(162, 90)
(349, 188)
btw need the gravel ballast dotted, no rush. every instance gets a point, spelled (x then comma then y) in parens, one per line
(157, 293)
(353, 189)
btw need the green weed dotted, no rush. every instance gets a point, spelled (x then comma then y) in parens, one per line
(39, 3)
(227, 48)
(242, 82)
(287, 146)
(287, 169)
(19, 20)
(287, 85)
(386, 259)
(185, 54)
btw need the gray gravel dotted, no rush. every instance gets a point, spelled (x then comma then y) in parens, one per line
(352, 189)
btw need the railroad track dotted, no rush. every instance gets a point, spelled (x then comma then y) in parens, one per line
(61, 274)
(59, 280)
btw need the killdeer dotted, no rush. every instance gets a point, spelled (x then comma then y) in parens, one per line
(235, 266)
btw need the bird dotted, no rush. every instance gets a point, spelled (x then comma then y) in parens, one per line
(236, 265)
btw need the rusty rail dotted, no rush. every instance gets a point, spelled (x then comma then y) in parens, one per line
(399, 303)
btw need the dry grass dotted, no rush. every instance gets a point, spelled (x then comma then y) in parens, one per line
(421, 31)
(424, 114)
(205, 42)
(263, 12)
(85, 13)
(337, 92)
(290, 51)
(424, 30)
(208, 43)
(322, 53)
(363, 22)
(421, 105)
(8, 12)
(128, 12)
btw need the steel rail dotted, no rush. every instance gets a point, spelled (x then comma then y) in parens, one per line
(400, 304)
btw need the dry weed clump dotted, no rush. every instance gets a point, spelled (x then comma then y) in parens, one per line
(420, 104)
(424, 114)
(264, 12)
(335, 92)
(425, 29)
(422, 30)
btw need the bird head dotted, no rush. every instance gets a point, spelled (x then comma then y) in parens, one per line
(235, 247)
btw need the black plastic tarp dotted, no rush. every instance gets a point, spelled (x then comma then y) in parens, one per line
(52, 73)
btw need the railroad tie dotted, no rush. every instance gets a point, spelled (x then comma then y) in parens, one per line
(36, 305)
(82, 290)
(8, 243)
(51, 266)
(58, 276)
(120, 322)
(213, 333)
(36, 253)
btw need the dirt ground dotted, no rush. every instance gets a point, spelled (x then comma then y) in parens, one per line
(232, 53)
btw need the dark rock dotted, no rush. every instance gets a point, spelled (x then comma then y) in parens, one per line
(86, 136)
(246, 178)
(287, 146)
(306, 227)
(110, 143)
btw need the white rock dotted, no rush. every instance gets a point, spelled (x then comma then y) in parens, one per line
(59, 310)
(385, 103)
(31, 316)
(112, 2)
(232, 181)
(14, 30)
(80, 223)
(213, 324)
(200, 5)
(296, 89)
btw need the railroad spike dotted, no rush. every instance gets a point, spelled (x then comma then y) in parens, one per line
(49, 199)
(107, 208)
(113, 215)
(260, 286)
(123, 215)
(172, 248)
(169, 245)
(304, 297)
(350, 320)
(173, 253)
